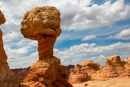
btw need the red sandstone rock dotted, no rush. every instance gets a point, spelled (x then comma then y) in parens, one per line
(113, 69)
(114, 61)
(22, 72)
(7, 77)
(2, 18)
(90, 67)
(43, 24)
(126, 62)
(77, 75)
(82, 73)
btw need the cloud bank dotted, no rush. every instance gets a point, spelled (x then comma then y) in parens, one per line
(124, 35)
(83, 51)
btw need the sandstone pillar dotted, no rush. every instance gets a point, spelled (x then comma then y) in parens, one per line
(7, 77)
(43, 24)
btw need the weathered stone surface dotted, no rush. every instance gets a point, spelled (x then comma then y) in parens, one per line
(126, 62)
(43, 24)
(114, 61)
(82, 73)
(41, 21)
(113, 69)
(78, 75)
(2, 18)
(90, 67)
(3, 57)
(7, 77)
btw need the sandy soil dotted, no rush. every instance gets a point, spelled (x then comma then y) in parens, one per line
(125, 82)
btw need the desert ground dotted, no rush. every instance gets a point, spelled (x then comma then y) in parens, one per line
(119, 82)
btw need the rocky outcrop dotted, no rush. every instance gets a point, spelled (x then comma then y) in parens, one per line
(7, 77)
(78, 75)
(90, 67)
(126, 62)
(2, 18)
(43, 24)
(82, 73)
(23, 72)
(114, 68)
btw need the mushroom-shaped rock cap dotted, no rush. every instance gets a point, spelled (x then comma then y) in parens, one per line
(41, 21)
(2, 18)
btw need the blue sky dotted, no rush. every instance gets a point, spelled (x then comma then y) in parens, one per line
(91, 29)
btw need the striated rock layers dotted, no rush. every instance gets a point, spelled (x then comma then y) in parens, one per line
(43, 24)
(82, 73)
(90, 67)
(126, 62)
(7, 78)
(114, 68)
(77, 75)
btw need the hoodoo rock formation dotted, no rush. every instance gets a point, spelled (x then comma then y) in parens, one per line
(82, 73)
(78, 75)
(7, 77)
(90, 67)
(114, 68)
(43, 24)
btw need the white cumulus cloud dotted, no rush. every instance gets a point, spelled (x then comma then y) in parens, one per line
(82, 51)
(81, 18)
(124, 34)
(89, 37)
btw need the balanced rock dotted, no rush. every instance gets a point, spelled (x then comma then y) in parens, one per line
(113, 69)
(7, 77)
(43, 24)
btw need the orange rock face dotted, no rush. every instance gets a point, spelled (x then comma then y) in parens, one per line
(2, 18)
(3, 57)
(114, 61)
(82, 73)
(90, 67)
(43, 24)
(78, 75)
(113, 69)
(126, 62)
(7, 77)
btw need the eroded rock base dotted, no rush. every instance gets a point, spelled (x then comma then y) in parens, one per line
(47, 73)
